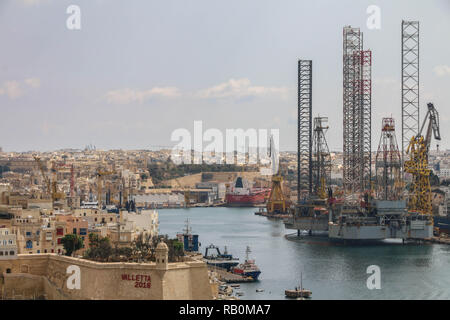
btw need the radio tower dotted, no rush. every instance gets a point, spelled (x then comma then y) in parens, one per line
(357, 104)
(388, 165)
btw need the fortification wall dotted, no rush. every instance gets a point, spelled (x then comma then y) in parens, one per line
(60, 277)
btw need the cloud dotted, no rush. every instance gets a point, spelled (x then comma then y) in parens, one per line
(442, 70)
(14, 89)
(241, 88)
(33, 82)
(30, 3)
(11, 89)
(127, 95)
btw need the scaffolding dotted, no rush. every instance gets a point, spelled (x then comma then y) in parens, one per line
(304, 138)
(357, 101)
(321, 157)
(388, 166)
(410, 83)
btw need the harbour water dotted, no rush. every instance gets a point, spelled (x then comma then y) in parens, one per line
(331, 271)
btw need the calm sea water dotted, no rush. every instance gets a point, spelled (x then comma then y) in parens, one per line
(331, 271)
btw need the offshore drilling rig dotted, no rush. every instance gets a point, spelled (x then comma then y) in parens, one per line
(371, 208)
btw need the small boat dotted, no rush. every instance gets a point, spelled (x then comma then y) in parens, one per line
(298, 292)
(259, 290)
(236, 285)
(239, 293)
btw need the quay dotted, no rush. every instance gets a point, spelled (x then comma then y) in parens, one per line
(229, 277)
(440, 240)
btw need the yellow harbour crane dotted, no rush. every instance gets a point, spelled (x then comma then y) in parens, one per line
(52, 189)
(417, 166)
(41, 168)
(277, 202)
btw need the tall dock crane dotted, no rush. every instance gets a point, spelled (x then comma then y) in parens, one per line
(419, 146)
(46, 179)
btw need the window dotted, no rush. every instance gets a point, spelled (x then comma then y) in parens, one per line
(59, 231)
(84, 214)
(95, 219)
(110, 219)
(6, 253)
(10, 241)
(1, 253)
(38, 232)
(11, 253)
(45, 250)
(39, 251)
(53, 251)
(59, 240)
(83, 231)
(28, 234)
(74, 231)
(29, 244)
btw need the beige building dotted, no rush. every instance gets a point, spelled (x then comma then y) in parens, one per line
(8, 246)
(38, 235)
(95, 216)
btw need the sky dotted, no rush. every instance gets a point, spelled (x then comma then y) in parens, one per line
(138, 70)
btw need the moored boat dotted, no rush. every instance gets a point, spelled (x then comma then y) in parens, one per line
(215, 258)
(248, 268)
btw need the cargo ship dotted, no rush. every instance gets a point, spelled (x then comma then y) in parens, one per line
(248, 268)
(214, 258)
(242, 195)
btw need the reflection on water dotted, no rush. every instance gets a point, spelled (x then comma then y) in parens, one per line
(330, 270)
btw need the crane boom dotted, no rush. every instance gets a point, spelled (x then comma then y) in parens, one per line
(41, 168)
(433, 125)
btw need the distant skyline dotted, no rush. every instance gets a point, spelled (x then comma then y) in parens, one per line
(138, 70)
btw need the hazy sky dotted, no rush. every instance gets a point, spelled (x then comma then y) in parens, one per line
(137, 70)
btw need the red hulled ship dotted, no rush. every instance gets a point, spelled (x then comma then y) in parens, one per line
(242, 195)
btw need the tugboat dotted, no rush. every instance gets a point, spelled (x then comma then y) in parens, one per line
(214, 258)
(298, 292)
(248, 268)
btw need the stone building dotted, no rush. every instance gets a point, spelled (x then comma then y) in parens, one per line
(8, 245)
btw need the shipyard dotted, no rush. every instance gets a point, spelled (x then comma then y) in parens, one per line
(292, 154)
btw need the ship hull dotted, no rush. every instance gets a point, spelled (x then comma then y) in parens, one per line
(254, 274)
(222, 264)
(247, 200)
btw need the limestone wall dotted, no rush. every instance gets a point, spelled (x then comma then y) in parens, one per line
(48, 274)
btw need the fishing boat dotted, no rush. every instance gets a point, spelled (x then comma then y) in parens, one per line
(298, 292)
(248, 268)
(215, 258)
